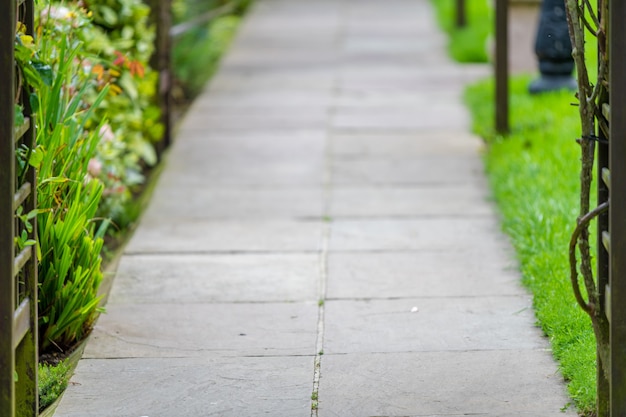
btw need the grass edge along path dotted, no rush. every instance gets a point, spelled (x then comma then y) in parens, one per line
(467, 44)
(533, 174)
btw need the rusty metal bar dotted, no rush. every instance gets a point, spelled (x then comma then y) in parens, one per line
(461, 14)
(27, 351)
(22, 259)
(21, 320)
(161, 16)
(617, 217)
(7, 190)
(502, 68)
(21, 130)
(21, 195)
(603, 250)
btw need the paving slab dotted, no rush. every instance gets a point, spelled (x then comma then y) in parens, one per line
(247, 157)
(500, 383)
(354, 97)
(406, 145)
(409, 201)
(215, 386)
(279, 118)
(260, 144)
(420, 274)
(430, 324)
(243, 202)
(404, 171)
(232, 95)
(428, 117)
(245, 79)
(249, 278)
(421, 234)
(204, 330)
(241, 171)
(200, 236)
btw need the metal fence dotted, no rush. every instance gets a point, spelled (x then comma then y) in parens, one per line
(613, 188)
(18, 266)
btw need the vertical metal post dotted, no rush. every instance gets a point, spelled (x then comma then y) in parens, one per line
(161, 16)
(502, 67)
(603, 258)
(602, 263)
(27, 352)
(7, 189)
(461, 14)
(617, 217)
(18, 281)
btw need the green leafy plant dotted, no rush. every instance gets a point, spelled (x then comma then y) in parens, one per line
(53, 380)
(68, 243)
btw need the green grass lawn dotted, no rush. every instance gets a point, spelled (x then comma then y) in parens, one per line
(534, 176)
(467, 44)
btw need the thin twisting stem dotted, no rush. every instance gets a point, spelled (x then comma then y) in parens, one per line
(583, 223)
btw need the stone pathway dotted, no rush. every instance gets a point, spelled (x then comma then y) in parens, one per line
(321, 241)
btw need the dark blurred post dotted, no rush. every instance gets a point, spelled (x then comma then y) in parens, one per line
(554, 50)
(461, 15)
(161, 17)
(502, 67)
(617, 217)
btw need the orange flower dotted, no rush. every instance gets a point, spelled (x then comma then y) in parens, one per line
(120, 58)
(99, 71)
(136, 68)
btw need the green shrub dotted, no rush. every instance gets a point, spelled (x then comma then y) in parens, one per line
(196, 54)
(53, 380)
(124, 41)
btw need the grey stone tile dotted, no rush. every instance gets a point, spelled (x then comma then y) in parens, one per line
(431, 324)
(275, 56)
(346, 97)
(258, 117)
(470, 199)
(433, 234)
(246, 157)
(232, 95)
(198, 145)
(164, 330)
(408, 145)
(435, 115)
(228, 387)
(420, 274)
(176, 236)
(242, 171)
(488, 383)
(271, 78)
(450, 170)
(386, 45)
(186, 202)
(216, 278)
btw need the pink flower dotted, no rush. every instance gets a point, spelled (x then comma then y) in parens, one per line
(106, 133)
(94, 167)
